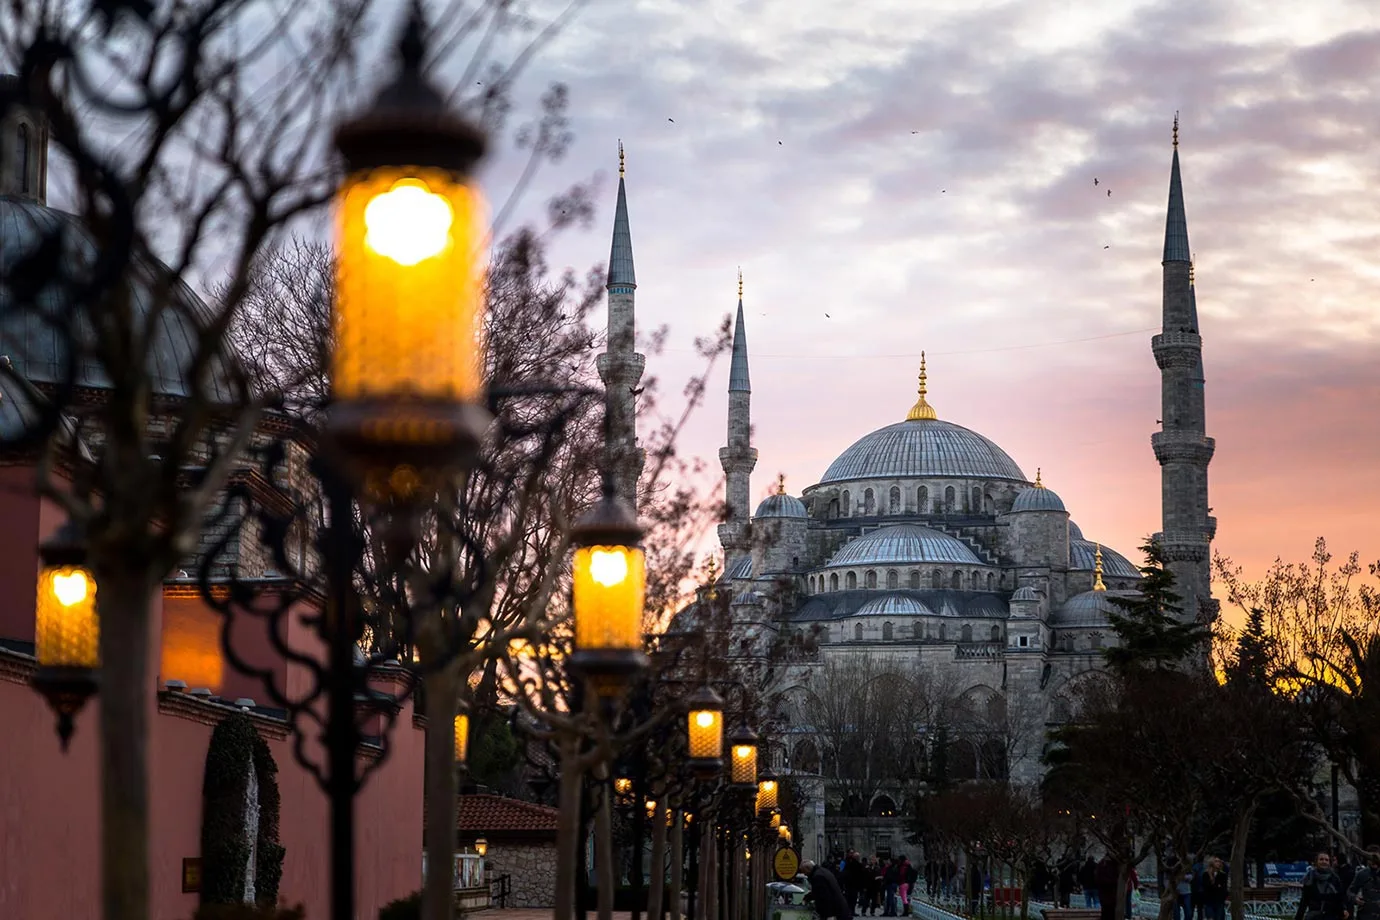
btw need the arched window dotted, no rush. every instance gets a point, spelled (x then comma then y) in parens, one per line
(922, 500)
(966, 634)
(942, 630)
(917, 629)
(915, 579)
(949, 499)
(824, 634)
(812, 584)
(886, 632)
(893, 579)
(936, 580)
(869, 503)
(847, 504)
(857, 632)
(977, 500)
(956, 582)
(991, 581)
(806, 758)
(882, 807)
(24, 159)
(833, 581)
(975, 581)
(851, 580)
(870, 579)
(834, 508)
(996, 633)
(1097, 640)
(895, 499)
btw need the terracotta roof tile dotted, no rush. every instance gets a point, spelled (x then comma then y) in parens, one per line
(494, 813)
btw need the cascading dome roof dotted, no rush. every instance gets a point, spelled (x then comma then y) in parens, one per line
(903, 544)
(923, 449)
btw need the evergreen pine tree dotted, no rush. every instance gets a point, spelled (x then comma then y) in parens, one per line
(1250, 661)
(1151, 633)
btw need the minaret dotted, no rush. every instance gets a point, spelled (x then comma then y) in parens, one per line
(620, 367)
(1182, 446)
(738, 457)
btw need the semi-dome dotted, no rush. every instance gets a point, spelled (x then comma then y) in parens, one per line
(924, 448)
(902, 544)
(37, 348)
(1075, 532)
(1091, 608)
(1025, 593)
(1037, 498)
(781, 505)
(1083, 558)
(894, 605)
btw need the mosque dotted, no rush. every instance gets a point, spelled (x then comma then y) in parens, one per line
(926, 547)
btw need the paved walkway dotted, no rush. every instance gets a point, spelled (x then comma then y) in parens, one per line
(535, 913)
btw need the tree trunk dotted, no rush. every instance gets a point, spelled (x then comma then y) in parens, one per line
(657, 882)
(603, 845)
(1123, 878)
(568, 828)
(677, 873)
(123, 604)
(438, 895)
(1239, 836)
(709, 871)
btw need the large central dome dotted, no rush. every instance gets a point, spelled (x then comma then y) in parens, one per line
(925, 448)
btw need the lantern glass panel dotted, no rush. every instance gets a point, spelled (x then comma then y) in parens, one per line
(610, 589)
(706, 732)
(744, 766)
(408, 286)
(66, 624)
(462, 737)
(766, 795)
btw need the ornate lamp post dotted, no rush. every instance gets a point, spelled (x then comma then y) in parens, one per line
(743, 765)
(705, 730)
(610, 578)
(462, 738)
(67, 628)
(766, 792)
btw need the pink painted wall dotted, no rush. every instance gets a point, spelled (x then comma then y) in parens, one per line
(49, 861)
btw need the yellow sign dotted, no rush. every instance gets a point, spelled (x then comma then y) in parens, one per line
(786, 863)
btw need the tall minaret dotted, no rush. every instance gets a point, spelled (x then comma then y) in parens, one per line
(738, 457)
(620, 367)
(1182, 447)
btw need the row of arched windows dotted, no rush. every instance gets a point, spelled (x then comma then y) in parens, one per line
(956, 580)
(917, 631)
(870, 505)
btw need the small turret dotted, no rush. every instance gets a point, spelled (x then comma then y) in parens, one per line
(1037, 527)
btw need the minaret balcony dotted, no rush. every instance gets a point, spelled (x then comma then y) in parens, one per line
(1182, 447)
(620, 367)
(738, 459)
(1177, 349)
(1184, 548)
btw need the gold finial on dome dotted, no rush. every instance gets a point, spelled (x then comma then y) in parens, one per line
(780, 483)
(1038, 483)
(621, 161)
(1176, 130)
(740, 282)
(922, 410)
(1097, 570)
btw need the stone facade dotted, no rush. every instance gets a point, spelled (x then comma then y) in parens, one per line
(531, 869)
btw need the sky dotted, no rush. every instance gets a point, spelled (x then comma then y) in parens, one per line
(900, 175)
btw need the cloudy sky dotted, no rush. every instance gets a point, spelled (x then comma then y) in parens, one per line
(899, 175)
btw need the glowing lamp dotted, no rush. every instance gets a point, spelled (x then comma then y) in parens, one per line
(766, 793)
(67, 628)
(405, 369)
(651, 808)
(481, 846)
(705, 731)
(776, 819)
(462, 736)
(784, 832)
(622, 785)
(742, 765)
(609, 586)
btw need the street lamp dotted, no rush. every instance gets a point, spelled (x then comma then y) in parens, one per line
(405, 369)
(610, 576)
(481, 846)
(743, 764)
(775, 818)
(705, 730)
(66, 628)
(766, 792)
(462, 735)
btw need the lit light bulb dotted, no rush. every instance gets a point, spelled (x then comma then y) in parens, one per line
(408, 223)
(608, 568)
(71, 588)
(704, 719)
(742, 752)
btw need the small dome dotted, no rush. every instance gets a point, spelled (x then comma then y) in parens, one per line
(1037, 498)
(1025, 593)
(781, 505)
(894, 605)
(1088, 609)
(1075, 532)
(902, 544)
(1082, 558)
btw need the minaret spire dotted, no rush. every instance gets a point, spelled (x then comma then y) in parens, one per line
(1098, 584)
(1182, 446)
(738, 457)
(620, 366)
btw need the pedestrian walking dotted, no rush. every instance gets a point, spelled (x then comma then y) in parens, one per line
(1324, 896)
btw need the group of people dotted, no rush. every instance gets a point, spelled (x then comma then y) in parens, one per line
(861, 886)
(1342, 891)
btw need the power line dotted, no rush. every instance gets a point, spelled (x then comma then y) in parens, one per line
(974, 351)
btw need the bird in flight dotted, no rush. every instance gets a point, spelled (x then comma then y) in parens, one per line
(671, 120)
(1094, 181)
(1109, 193)
(827, 316)
(1106, 247)
(778, 143)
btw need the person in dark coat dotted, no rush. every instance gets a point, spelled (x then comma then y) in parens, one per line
(1107, 893)
(825, 892)
(854, 878)
(1324, 895)
(1087, 880)
(1364, 891)
(1068, 878)
(1214, 887)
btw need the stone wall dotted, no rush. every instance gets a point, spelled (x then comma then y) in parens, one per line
(531, 869)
